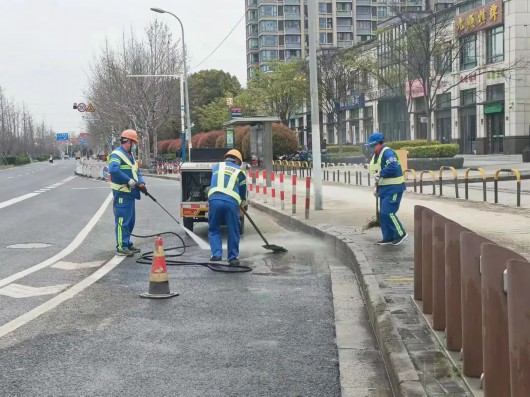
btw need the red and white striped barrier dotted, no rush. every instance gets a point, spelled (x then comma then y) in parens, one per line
(307, 193)
(293, 183)
(273, 189)
(282, 193)
(264, 177)
(258, 182)
(250, 185)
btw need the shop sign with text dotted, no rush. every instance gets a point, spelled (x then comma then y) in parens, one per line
(479, 18)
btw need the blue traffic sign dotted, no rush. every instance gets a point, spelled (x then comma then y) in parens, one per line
(83, 142)
(62, 136)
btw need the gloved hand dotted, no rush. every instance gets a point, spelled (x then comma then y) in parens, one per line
(131, 183)
(376, 178)
(244, 205)
(142, 188)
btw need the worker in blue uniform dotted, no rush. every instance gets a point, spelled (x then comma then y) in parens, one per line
(228, 191)
(126, 183)
(390, 185)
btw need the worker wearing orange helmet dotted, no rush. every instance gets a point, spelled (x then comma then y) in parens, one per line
(126, 183)
(228, 190)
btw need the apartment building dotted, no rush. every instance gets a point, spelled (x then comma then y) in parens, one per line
(486, 106)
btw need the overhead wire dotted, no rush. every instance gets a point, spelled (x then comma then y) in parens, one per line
(221, 43)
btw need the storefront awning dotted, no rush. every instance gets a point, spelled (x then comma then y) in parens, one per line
(493, 108)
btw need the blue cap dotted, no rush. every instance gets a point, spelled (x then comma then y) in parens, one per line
(375, 138)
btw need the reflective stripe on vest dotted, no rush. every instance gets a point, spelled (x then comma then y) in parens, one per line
(127, 166)
(229, 188)
(376, 167)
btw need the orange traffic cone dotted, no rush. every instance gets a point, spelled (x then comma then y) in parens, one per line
(158, 281)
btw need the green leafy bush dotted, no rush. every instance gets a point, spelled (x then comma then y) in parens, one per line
(433, 151)
(284, 140)
(345, 149)
(406, 144)
(18, 160)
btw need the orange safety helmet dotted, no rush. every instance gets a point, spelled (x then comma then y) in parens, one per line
(130, 134)
(234, 153)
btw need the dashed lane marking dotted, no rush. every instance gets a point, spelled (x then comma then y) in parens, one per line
(75, 266)
(35, 193)
(63, 296)
(76, 242)
(26, 291)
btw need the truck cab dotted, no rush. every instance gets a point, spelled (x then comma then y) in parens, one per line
(195, 179)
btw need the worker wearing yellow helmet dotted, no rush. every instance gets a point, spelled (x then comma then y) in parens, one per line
(228, 190)
(126, 183)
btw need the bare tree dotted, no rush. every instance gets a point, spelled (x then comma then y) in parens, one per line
(145, 104)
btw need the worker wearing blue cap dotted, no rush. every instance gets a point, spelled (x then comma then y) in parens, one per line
(390, 185)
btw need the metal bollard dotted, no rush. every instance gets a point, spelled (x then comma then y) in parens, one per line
(282, 193)
(258, 183)
(453, 288)
(357, 177)
(349, 177)
(426, 254)
(471, 303)
(264, 177)
(273, 189)
(519, 326)
(418, 211)
(438, 271)
(495, 347)
(307, 196)
(293, 193)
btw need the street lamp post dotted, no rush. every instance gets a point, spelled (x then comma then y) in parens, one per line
(187, 99)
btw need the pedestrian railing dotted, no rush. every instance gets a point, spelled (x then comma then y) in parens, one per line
(455, 178)
(466, 182)
(496, 183)
(413, 172)
(431, 173)
(477, 293)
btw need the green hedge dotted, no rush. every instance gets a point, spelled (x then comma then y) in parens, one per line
(345, 149)
(18, 160)
(406, 144)
(433, 151)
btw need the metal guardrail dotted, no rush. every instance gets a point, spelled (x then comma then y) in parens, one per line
(455, 178)
(484, 179)
(431, 173)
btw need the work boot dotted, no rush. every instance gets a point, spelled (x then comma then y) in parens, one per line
(216, 259)
(134, 250)
(124, 252)
(233, 262)
(385, 242)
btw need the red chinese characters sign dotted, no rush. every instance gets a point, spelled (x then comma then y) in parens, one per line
(479, 18)
(414, 89)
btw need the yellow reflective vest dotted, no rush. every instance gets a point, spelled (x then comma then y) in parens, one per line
(229, 189)
(375, 167)
(125, 165)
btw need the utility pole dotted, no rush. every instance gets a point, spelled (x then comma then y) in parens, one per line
(312, 8)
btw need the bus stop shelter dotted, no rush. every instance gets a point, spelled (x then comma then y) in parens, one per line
(260, 138)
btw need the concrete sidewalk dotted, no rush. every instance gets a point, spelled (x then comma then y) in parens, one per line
(416, 361)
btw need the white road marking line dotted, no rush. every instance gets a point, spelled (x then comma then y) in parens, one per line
(75, 266)
(57, 300)
(25, 291)
(9, 177)
(17, 199)
(39, 191)
(76, 242)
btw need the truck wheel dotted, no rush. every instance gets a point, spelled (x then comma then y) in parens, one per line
(188, 223)
(241, 226)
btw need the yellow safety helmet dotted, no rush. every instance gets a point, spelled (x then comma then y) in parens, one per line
(130, 134)
(234, 153)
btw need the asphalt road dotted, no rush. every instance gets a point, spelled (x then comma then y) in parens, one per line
(80, 328)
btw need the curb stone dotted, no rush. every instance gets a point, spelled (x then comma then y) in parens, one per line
(402, 373)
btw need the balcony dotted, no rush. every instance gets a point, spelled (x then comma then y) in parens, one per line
(291, 2)
(346, 28)
(293, 46)
(292, 30)
(345, 43)
(291, 16)
(344, 13)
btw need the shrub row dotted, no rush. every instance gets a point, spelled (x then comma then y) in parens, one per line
(17, 160)
(433, 151)
(408, 144)
(284, 141)
(345, 149)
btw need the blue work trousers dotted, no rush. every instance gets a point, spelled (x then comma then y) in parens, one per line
(124, 216)
(222, 212)
(390, 224)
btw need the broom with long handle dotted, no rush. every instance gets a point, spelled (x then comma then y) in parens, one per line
(377, 221)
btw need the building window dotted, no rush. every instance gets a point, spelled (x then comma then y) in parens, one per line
(364, 10)
(292, 39)
(324, 8)
(325, 23)
(343, 21)
(344, 36)
(442, 62)
(292, 25)
(268, 55)
(269, 40)
(253, 43)
(268, 11)
(252, 29)
(443, 101)
(468, 52)
(293, 54)
(381, 12)
(468, 97)
(326, 38)
(268, 26)
(495, 45)
(344, 7)
(364, 25)
(291, 9)
(495, 92)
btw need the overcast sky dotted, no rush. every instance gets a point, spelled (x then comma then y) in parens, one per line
(47, 45)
